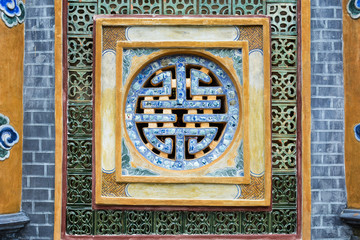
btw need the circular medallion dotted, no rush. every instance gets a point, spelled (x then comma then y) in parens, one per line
(182, 112)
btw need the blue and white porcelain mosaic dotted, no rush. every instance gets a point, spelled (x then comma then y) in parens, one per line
(175, 139)
(235, 55)
(128, 54)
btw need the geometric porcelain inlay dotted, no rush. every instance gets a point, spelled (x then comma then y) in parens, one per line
(182, 112)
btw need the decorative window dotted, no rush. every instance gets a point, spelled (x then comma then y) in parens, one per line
(183, 119)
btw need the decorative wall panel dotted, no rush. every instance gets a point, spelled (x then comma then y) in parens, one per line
(195, 114)
(84, 216)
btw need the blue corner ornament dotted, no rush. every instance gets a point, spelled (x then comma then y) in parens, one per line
(8, 137)
(357, 132)
(12, 12)
(353, 8)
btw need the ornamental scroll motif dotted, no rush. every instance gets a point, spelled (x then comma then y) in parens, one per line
(8, 137)
(353, 8)
(12, 12)
(357, 132)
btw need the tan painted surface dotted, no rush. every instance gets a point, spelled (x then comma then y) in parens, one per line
(58, 118)
(108, 76)
(182, 33)
(183, 191)
(306, 119)
(256, 126)
(351, 30)
(11, 80)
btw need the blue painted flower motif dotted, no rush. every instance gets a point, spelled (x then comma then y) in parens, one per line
(357, 132)
(353, 8)
(8, 137)
(12, 12)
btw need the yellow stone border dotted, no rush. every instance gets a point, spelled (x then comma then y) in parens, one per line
(58, 117)
(306, 117)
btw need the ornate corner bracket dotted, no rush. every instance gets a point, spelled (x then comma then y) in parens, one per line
(12, 12)
(8, 137)
(353, 8)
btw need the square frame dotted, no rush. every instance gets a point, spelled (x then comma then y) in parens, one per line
(264, 22)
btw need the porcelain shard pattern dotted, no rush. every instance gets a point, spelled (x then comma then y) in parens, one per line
(182, 90)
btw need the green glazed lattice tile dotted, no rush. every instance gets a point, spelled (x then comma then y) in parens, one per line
(79, 222)
(168, 223)
(79, 156)
(180, 7)
(108, 222)
(114, 6)
(80, 52)
(283, 221)
(227, 223)
(139, 222)
(197, 222)
(283, 18)
(284, 189)
(80, 85)
(284, 50)
(215, 7)
(255, 222)
(79, 189)
(248, 7)
(80, 120)
(283, 85)
(283, 119)
(283, 154)
(80, 17)
(146, 7)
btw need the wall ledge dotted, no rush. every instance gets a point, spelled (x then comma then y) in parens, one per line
(351, 216)
(11, 224)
